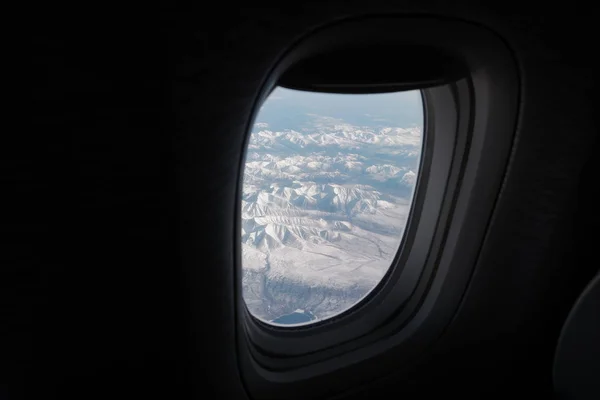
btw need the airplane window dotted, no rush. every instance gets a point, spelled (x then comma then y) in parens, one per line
(327, 189)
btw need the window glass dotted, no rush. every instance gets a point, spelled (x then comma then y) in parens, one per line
(327, 189)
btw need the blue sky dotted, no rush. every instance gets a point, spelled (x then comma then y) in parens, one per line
(285, 107)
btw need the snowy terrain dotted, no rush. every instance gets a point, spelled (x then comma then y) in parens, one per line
(323, 209)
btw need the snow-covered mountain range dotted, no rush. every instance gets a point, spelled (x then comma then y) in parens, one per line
(323, 213)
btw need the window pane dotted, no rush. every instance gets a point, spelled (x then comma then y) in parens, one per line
(327, 188)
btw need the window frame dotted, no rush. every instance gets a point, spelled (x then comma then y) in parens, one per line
(458, 183)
